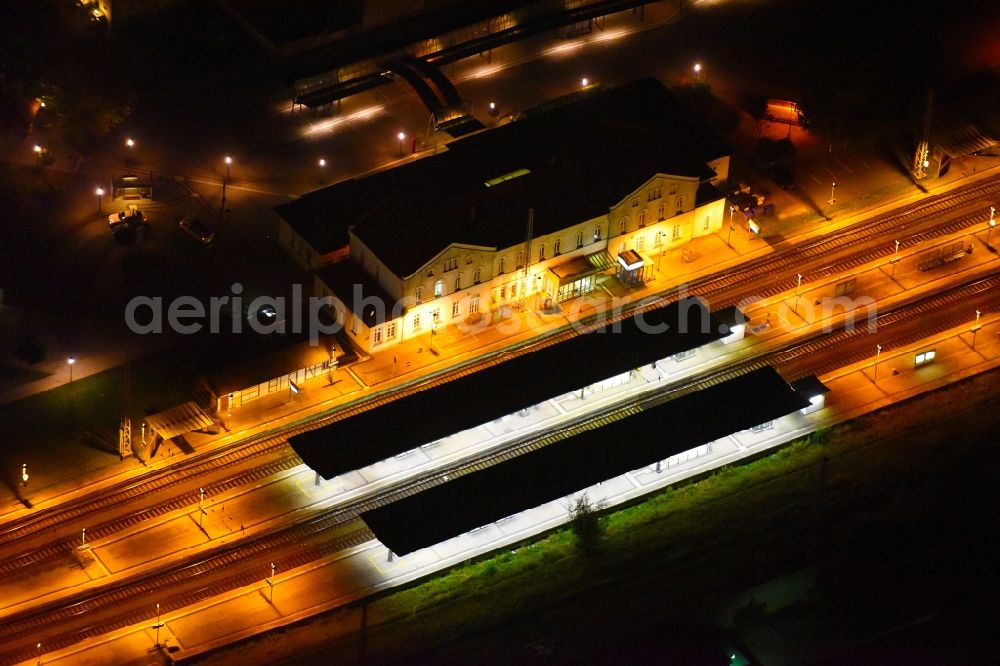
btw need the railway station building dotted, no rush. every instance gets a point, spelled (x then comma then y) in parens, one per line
(527, 215)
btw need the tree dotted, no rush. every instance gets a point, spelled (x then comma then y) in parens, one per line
(30, 350)
(585, 523)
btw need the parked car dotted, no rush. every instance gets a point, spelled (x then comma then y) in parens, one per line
(131, 217)
(198, 230)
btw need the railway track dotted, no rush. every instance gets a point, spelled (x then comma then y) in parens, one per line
(718, 290)
(303, 541)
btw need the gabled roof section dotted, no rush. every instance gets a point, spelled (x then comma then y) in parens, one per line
(580, 159)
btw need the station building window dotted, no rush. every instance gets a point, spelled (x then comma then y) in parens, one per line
(455, 309)
(438, 288)
(416, 322)
(579, 240)
(474, 305)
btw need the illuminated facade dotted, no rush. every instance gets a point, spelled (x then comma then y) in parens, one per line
(445, 240)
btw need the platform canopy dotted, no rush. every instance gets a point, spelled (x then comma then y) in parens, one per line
(582, 460)
(505, 388)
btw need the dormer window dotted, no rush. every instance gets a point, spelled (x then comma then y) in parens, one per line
(654, 194)
(500, 265)
(450, 264)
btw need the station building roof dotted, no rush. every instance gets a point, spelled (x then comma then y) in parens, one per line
(499, 390)
(580, 461)
(574, 162)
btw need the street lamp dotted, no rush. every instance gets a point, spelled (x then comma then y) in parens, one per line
(129, 142)
(697, 70)
(24, 474)
(833, 193)
(100, 193)
(894, 261)
(975, 329)
(37, 149)
(270, 583)
(493, 109)
(989, 228)
(732, 209)
(229, 163)
(798, 286)
(878, 352)
(584, 82)
(71, 361)
(322, 162)
(201, 512)
(158, 625)
(401, 136)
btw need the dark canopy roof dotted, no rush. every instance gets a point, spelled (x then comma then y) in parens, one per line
(505, 388)
(582, 158)
(574, 463)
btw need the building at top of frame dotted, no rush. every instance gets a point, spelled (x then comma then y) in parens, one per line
(526, 215)
(524, 381)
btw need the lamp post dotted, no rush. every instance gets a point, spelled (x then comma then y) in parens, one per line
(83, 538)
(201, 511)
(71, 362)
(100, 193)
(129, 142)
(989, 227)
(894, 261)
(158, 625)
(697, 70)
(833, 193)
(798, 286)
(878, 352)
(732, 209)
(229, 163)
(975, 329)
(401, 136)
(584, 82)
(270, 583)
(24, 474)
(38, 646)
(322, 162)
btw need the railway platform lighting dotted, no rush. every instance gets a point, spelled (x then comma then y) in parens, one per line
(70, 362)
(38, 653)
(83, 538)
(833, 193)
(894, 261)
(270, 584)
(24, 474)
(100, 195)
(201, 511)
(729, 236)
(975, 328)
(798, 288)
(158, 625)
(878, 352)
(989, 227)
(401, 137)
